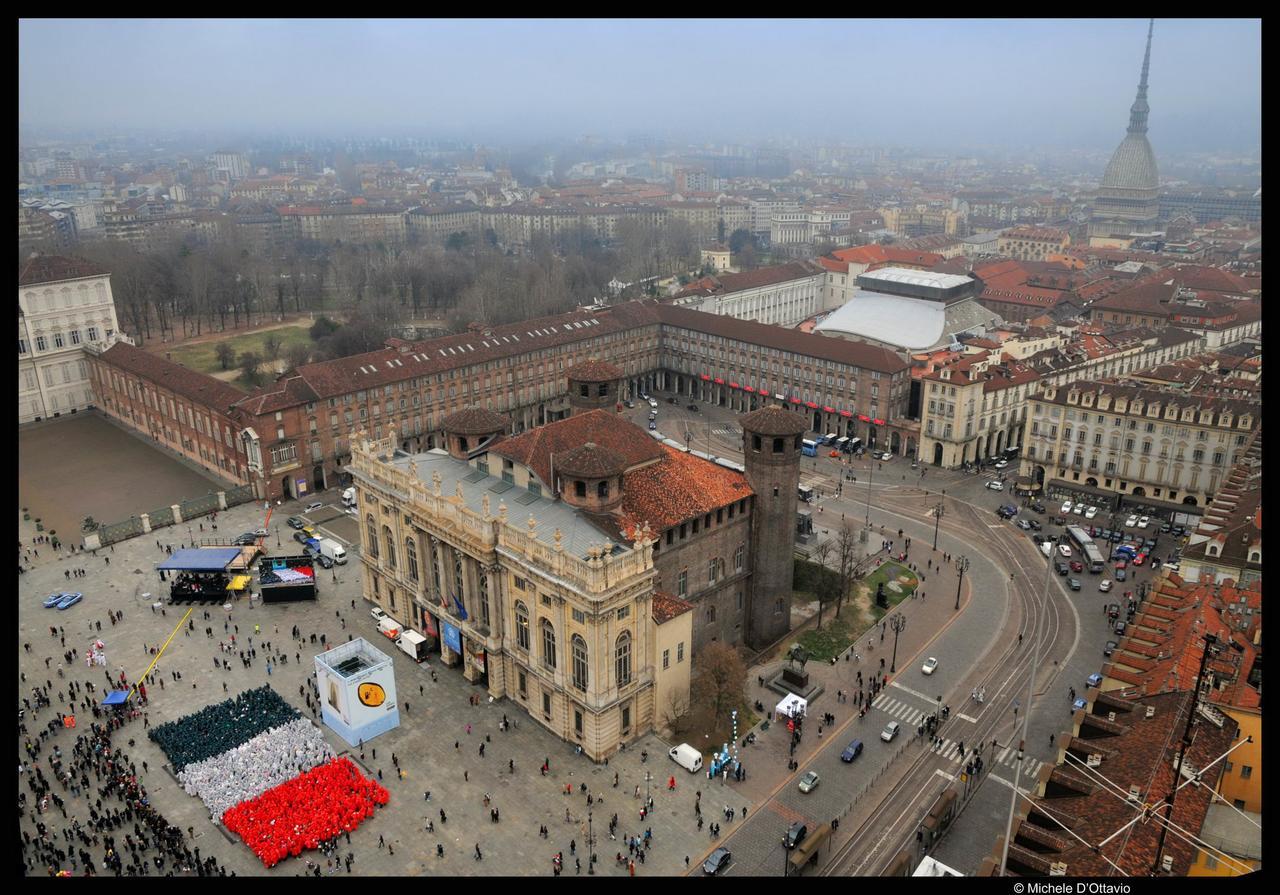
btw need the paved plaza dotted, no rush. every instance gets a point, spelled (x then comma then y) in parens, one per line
(433, 745)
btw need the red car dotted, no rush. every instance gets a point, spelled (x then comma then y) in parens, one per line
(1122, 565)
(1077, 566)
(1140, 559)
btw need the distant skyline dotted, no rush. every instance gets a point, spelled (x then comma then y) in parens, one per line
(929, 83)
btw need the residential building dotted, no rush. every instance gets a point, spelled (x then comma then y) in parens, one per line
(973, 408)
(782, 295)
(1163, 449)
(716, 257)
(235, 165)
(1032, 243)
(1227, 544)
(64, 305)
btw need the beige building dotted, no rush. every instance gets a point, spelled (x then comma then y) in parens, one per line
(717, 258)
(1169, 448)
(64, 305)
(973, 409)
(1033, 243)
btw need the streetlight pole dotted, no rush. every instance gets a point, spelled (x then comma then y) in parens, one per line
(648, 776)
(591, 847)
(937, 517)
(898, 624)
(871, 474)
(962, 563)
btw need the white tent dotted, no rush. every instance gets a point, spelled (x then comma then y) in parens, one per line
(791, 706)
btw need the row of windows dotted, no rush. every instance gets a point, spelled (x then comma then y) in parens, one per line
(60, 340)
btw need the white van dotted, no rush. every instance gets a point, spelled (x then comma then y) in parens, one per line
(389, 627)
(333, 550)
(349, 497)
(687, 757)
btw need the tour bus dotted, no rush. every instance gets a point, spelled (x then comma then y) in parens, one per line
(809, 448)
(1091, 556)
(842, 444)
(831, 438)
(854, 445)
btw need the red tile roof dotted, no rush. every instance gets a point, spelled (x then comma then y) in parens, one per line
(594, 371)
(667, 606)
(537, 447)
(54, 268)
(877, 254)
(680, 487)
(198, 387)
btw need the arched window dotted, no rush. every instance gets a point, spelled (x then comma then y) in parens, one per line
(622, 658)
(522, 626)
(411, 557)
(391, 545)
(484, 599)
(548, 645)
(579, 662)
(371, 531)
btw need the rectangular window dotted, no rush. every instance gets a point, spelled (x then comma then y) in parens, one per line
(666, 659)
(682, 583)
(1246, 771)
(624, 612)
(579, 616)
(680, 651)
(546, 705)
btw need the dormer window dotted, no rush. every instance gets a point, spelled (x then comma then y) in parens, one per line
(1246, 422)
(580, 489)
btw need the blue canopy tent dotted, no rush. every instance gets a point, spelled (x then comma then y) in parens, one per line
(200, 559)
(117, 698)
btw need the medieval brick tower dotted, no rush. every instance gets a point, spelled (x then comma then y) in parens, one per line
(593, 385)
(771, 445)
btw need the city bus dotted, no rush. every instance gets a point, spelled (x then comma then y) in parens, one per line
(809, 448)
(1090, 555)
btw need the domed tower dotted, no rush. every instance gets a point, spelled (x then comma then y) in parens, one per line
(771, 446)
(593, 385)
(589, 477)
(1129, 196)
(473, 430)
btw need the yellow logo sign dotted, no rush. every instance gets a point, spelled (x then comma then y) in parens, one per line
(372, 695)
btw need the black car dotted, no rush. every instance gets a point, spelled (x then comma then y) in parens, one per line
(717, 861)
(1061, 567)
(1116, 537)
(1059, 520)
(245, 540)
(1109, 648)
(1036, 507)
(693, 407)
(1120, 626)
(295, 522)
(1035, 524)
(852, 751)
(795, 835)
(300, 537)
(322, 561)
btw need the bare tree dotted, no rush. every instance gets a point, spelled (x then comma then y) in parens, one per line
(226, 354)
(271, 345)
(822, 585)
(297, 354)
(675, 715)
(720, 676)
(847, 550)
(251, 367)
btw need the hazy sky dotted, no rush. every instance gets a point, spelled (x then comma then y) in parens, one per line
(941, 83)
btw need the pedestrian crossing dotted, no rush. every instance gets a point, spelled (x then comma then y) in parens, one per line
(911, 718)
(727, 431)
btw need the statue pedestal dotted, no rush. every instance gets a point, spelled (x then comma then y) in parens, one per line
(795, 679)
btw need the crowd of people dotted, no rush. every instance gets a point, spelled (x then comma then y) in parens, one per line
(218, 728)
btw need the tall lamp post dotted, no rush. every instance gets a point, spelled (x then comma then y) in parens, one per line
(938, 512)
(648, 776)
(591, 847)
(898, 624)
(962, 563)
(871, 474)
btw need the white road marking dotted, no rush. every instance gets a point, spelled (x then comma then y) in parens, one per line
(1003, 753)
(929, 699)
(944, 775)
(967, 718)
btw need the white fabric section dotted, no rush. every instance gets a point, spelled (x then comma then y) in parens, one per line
(267, 760)
(791, 706)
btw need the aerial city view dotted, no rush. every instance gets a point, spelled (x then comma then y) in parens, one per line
(633, 448)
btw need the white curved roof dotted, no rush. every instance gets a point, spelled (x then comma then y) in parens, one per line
(916, 277)
(913, 324)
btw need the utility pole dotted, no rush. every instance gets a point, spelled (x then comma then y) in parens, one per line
(871, 474)
(591, 847)
(1210, 642)
(937, 517)
(962, 563)
(898, 623)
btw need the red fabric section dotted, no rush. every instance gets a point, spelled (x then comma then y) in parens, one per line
(330, 799)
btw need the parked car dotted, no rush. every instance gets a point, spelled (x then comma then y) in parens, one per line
(53, 600)
(795, 834)
(1059, 520)
(295, 522)
(1091, 512)
(930, 666)
(1007, 511)
(1120, 628)
(1067, 508)
(1131, 522)
(69, 600)
(693, 407)
(377, 613)
(1074, 583)
(1064, 550)
(300, 537)
(887, 456)
(1109, 648)
(1035, 524)
(323, 561)
(1166, 528)
(1036, 506)
(653, 414)
(312, 507)
(1002, 464)
(1079, 510)
(718, 860)
(809, 782)
(673, 400)
(1144, 521)
(1077, 566)
(1104, 585)
(890, 731)
(653, 426)
(1140, 559)
(653, 402)
(852, 751)
(628, 403)
(245, 540)
(1024, 525)
(1121, 575)
(995, 485)
(1061, 567)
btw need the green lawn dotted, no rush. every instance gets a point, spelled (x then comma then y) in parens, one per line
(202, 356)
(837, 633)
(833, 639)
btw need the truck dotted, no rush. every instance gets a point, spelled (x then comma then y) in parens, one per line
(413, 644)
(349, 497)
(332, 549)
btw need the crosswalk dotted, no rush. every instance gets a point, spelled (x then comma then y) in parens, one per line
(727, 431)
(910, 717)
